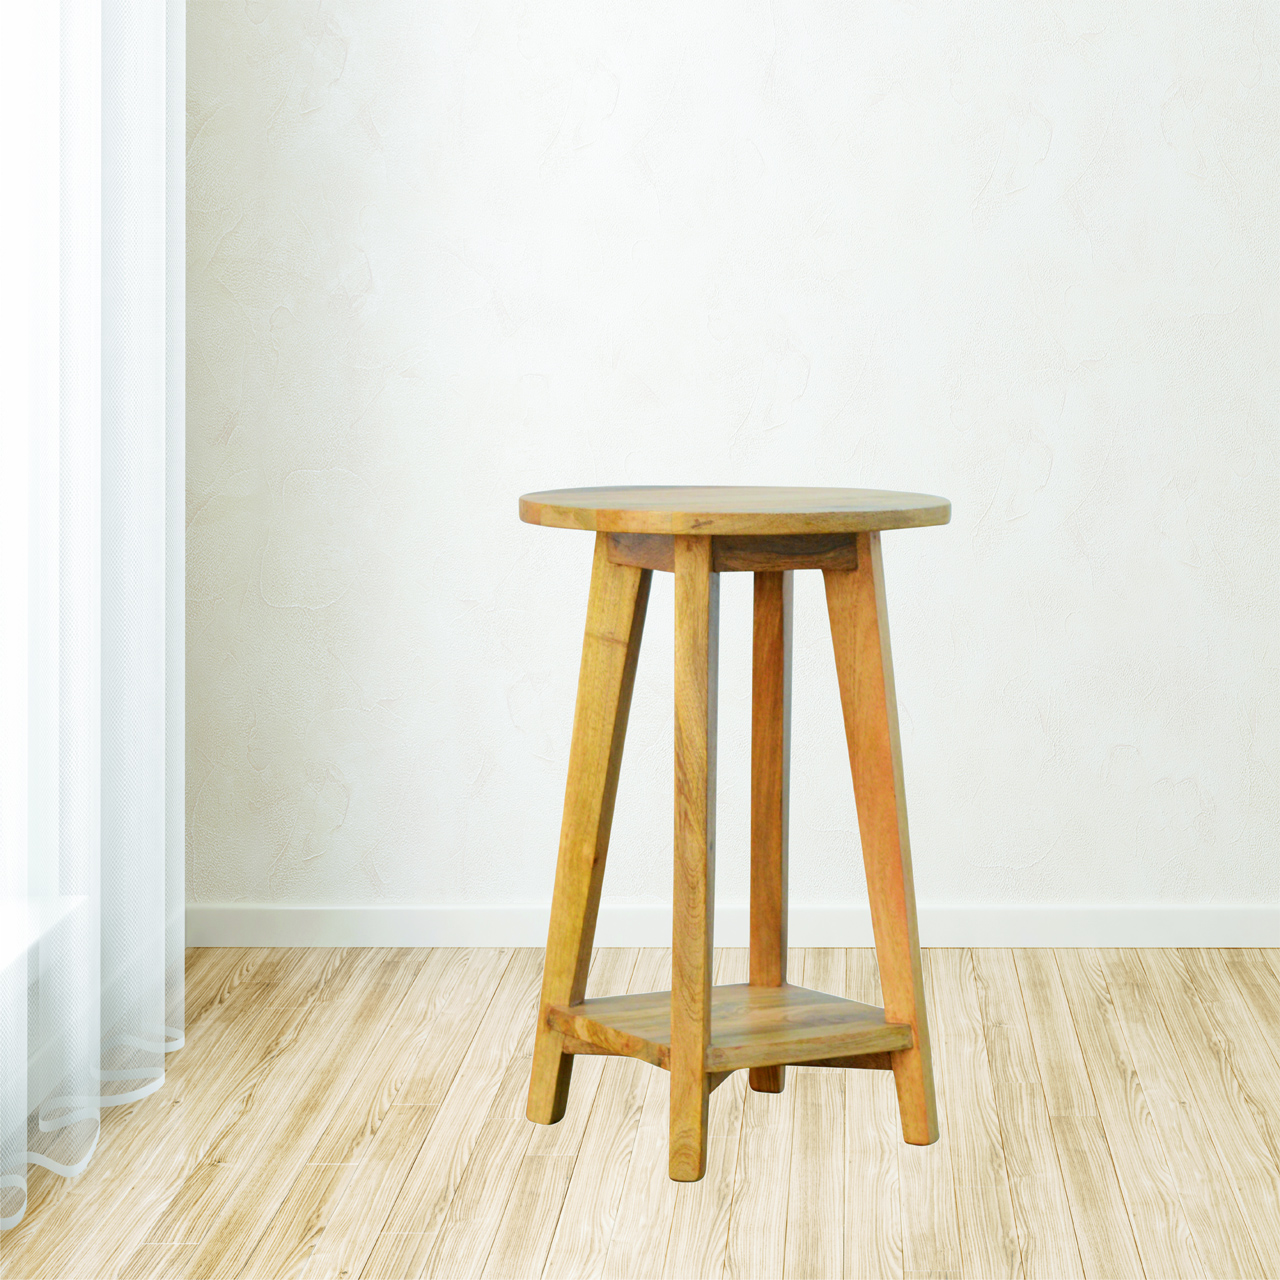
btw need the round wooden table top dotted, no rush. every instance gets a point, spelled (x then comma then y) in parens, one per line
(731, 509)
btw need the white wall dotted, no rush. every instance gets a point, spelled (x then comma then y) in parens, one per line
(1021, 254)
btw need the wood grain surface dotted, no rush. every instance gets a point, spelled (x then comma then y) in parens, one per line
(872, 1139)
(738, 510)
(610, 650)
(696, 666)
(770, 787)
(1086, 1160)
(750, 1026)
(766, 553)
(1105, 1114)
(700, 1211)
(864, 668)
(815, 1195)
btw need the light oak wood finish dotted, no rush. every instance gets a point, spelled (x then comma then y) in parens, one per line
(610, 651)
(456, 1038)
(695, 534)
(700, 1211)
(750, 1026)
(443, 1041)
(643, 1226)
(650, 1200)
(930, 1214)
(1254, 979)
(769, 554)
(757, 1241)
(735, 510)
(696, 662)
(873, 1201)
(1234, 1066)
(534, 1197)
(599, 1185)
(987, 1236)
(505, 1204)
(815, 1198)
(313, 1082)
(1161, 1230)
(1041, 1211)
(422, 1198)
(157, 1260)
(864, 667)
(296, 1005)
(770, 783)
(1088, 1169)
(1214, 1196)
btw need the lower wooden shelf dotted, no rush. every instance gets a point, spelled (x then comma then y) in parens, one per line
(750, 1027)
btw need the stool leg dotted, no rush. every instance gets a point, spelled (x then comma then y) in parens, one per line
(860, 632)
(610, 649)
(697, 634)
(770, 769)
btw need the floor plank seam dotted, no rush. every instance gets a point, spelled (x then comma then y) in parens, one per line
(1193, 1099)
(1144, 1053)
(1062, 1174)
(1115, 1171)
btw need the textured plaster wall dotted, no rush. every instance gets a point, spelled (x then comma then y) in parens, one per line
(1023, 254)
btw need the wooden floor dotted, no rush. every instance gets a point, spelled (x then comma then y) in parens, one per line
(335, 1113)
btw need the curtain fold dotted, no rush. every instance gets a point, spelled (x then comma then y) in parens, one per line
(91, 672)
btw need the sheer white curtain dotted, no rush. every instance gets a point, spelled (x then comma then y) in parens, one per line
(91, 553)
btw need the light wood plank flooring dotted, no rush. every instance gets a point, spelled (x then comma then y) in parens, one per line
(360, 1113)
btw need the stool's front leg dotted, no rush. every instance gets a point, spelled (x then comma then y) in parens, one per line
(697, 634)
(860, 632)
(610, 650)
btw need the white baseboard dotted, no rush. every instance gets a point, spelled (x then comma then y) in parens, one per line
(264, 924)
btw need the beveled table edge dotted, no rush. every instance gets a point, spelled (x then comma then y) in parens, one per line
(542, 508)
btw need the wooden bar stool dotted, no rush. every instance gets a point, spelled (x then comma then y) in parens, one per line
(701, 1033)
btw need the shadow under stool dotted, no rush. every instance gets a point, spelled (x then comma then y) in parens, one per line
(697, 1032)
